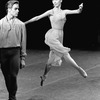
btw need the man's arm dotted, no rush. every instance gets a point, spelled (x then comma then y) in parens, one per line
(23, 47)
(23, 42)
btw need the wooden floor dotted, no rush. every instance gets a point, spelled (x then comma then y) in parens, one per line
(63, 83)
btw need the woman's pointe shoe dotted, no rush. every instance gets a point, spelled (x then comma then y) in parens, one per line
(82, 72)
(43, 78)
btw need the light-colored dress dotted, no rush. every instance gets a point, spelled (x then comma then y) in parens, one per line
(54, 39)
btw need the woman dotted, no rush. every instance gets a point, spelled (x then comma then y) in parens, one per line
(54, 38)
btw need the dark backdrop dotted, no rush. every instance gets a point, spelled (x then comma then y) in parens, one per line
(81, 31)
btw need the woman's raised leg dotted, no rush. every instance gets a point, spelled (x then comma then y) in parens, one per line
(70, 60)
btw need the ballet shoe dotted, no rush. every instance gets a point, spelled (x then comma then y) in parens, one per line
(43, 78)
(83, 73)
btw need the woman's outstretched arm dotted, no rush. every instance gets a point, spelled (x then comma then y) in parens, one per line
(77, 11)
(47, 13)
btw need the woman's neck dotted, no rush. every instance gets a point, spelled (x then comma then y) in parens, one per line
(57, 8)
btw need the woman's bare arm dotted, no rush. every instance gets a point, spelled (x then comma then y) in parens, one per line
(77, 11)
(47, 13)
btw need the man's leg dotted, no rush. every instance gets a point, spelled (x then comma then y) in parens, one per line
(10, 67)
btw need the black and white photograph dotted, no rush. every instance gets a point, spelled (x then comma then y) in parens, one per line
(49, 50)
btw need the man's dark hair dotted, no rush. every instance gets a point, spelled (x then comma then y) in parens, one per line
(10, 3)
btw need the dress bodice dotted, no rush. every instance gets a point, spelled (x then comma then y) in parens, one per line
(58, 20)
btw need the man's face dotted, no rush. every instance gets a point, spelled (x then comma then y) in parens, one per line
(14, 10)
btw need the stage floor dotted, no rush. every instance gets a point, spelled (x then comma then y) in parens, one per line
(62, 83)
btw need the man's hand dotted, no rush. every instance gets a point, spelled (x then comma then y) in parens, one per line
(22, 64)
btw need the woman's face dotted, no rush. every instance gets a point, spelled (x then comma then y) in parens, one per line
(56, 3)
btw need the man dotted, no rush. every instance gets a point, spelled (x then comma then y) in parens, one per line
(12, 47)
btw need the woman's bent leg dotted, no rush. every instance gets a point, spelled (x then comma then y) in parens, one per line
(47, 68)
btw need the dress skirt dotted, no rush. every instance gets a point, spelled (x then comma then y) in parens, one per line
(54, 39)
